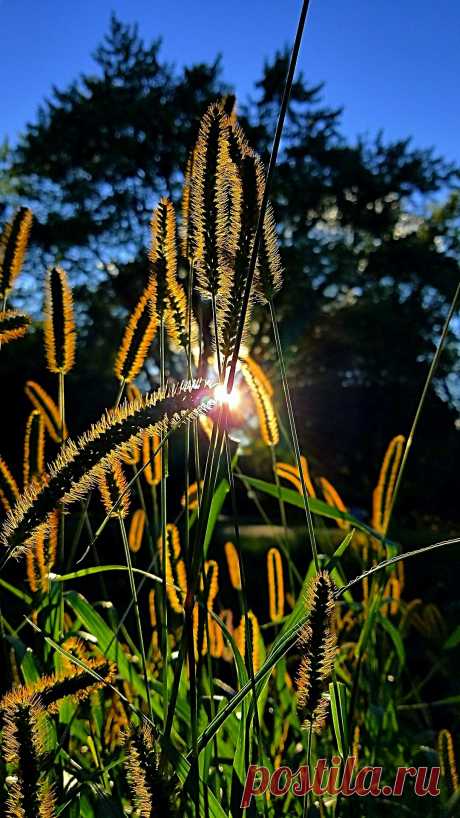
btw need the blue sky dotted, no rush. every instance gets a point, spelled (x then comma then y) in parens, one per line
(393, 65)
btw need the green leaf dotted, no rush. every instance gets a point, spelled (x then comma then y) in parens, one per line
(13, 590)
(453, 640)
(216, 507)
(339, 710)
(316, 506)
(395, 637)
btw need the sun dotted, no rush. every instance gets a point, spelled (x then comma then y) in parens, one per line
(232, 399)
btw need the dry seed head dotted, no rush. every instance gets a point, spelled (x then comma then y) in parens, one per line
(138, 335)
(383, 492)
(79, 464)
(214, 190)
(265, 410)
(9, 491)
(269, 276)
(447, 760)
(275, 584)
(136, 530)
(48, 691)
(13, 325)
(151, 458)
(163, 254)
(30, 795)
(191, 500)
(34, 447)
(113, 485)
(13, 246)
(318, 644)
(233, 565)
(46, 405)
(132, 456)
(41, 557)
(59, 323)
(291, 473)
(333, 498)
(151, 789)
(255, 640)
(176, 574)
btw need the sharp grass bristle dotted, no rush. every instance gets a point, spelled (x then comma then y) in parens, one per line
(48, 408)
(318, 645)
(13, 325)
(383, 492)
(30, 795)
(152, 790)
(266, 414)
(233, 565)
(113, 487)
(275, 579)
(80, 464)
(13, 245)
(34, 447)
(59, 326)
(9, 489)
(138, 335)
(136, 530)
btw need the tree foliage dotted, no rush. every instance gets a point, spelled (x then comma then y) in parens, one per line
(369, 238)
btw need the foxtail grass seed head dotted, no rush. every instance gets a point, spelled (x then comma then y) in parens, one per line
(41, 558)
(333, 498)
(75, 682)
(163, 254)
(233, 564)
(30, 795)
(59, 326)
(291, 474)
(256, 638)
(275, 584)
(136, 530)
(447, 761)
(113, 486)
(265, 410)
(132, 456)
(48, 408)
(151, 458)
(151, 789)
(392, 593)
(213, 215)
(138, 335)
(34, 447)
(79, 464)
(383, 492)
(176, 573)
(13, 325)
(318, 645)
(9, 490)
(190, 501)
(13, 245)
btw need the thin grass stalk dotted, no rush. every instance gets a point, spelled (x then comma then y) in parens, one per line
(132, 584)
(421, 403)
(244, 603)
(163, 522)
(268, 182)
(282, 509)
(294, 436)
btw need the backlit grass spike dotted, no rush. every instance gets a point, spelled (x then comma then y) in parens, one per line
(59, 325)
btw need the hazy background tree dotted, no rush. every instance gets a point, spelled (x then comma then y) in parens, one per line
(369, 234)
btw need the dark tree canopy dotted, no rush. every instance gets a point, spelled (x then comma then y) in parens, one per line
(369, 236)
